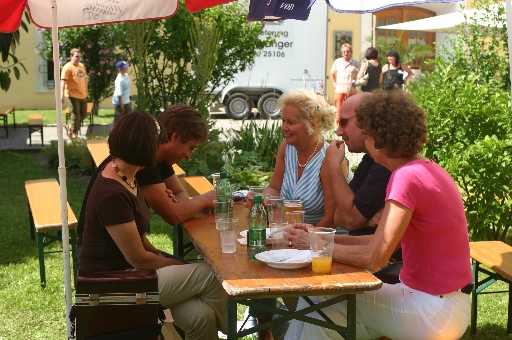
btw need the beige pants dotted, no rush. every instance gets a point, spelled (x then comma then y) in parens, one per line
(196, 299)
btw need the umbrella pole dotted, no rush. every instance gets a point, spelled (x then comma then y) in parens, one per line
(62, 167)
(508, 12)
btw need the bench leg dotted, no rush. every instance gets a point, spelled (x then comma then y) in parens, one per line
(14, 118)
(509, 322)
(40, 255)
(31, 225)
(474, 295)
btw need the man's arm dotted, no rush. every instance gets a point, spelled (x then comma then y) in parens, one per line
(343, 194)
(62, 87)
(175, 212)
(120, 98)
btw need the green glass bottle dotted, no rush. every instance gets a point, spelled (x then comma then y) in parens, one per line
(257, 240)
(223, 188)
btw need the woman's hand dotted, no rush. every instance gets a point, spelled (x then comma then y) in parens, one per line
(297, 235)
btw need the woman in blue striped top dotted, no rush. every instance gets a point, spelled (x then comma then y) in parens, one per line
(299, 174)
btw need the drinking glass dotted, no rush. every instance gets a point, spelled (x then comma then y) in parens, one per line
(276, 235)
(321, 241)
(228, 228)
(275, 208)
(293, 217)
(222, 209)
(253, 190)
(292, 205)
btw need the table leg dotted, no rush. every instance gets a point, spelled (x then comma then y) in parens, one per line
(351, 317)
(232, 331)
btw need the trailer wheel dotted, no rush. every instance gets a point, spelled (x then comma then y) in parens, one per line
(267, 105)
(238, 106)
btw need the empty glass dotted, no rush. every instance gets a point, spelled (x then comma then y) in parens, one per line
(222, 209)
(228, 228)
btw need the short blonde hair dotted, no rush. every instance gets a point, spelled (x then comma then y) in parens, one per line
(346, 45)
(312, 108)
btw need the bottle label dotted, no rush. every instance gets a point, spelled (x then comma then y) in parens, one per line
(257, 236)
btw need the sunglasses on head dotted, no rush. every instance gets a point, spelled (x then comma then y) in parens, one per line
(344, 121)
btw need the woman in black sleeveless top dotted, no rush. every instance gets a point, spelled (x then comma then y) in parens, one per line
(373, 68)
(393, 73)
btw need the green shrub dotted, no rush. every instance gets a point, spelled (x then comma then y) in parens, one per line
(469, 130)
(77, 156)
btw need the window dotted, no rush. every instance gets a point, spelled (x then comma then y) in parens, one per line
(44, 69)
(340, 38)
(405, 14)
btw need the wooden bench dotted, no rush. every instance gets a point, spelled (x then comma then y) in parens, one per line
(35, 124)
(89, 114)
(196, 185)
(497, 257)
(45, 219)
(4, 113)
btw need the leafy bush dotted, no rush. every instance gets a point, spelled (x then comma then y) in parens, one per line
(77, 156)
(469, 135)
(250, 153)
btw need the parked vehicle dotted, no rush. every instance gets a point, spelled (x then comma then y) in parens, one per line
(297, 58)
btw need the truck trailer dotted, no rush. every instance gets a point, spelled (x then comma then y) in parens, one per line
(296, 58)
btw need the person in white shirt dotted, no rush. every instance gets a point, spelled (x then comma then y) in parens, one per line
(121, 98)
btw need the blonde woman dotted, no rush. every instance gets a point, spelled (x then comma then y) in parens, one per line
(343, 74)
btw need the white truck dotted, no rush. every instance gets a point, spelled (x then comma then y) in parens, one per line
(296, 59)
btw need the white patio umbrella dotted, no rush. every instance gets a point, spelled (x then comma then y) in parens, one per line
(447, 23)
(55, 14)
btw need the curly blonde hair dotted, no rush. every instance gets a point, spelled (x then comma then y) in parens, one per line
(312, 108)
(394, 121)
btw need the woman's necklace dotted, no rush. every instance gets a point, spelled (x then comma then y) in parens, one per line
(303, 166)
(123, 177)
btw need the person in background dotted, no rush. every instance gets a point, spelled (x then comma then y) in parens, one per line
(121, 97)
(343, 73)
(117, 218)
(424, 213)
(73, 82)
(373, 68)
(393, 73)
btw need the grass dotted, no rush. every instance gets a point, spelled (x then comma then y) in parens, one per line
(105, 116)
(30, 312)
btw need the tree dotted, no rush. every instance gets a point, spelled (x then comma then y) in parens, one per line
(468, 104)
(98, 45)
(8, 44)
(168, 63)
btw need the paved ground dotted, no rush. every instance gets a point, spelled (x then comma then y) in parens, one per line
(19, 138)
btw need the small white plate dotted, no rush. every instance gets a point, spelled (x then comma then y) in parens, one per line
(285, 258)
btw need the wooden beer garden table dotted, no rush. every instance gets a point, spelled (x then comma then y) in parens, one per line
(245, 279)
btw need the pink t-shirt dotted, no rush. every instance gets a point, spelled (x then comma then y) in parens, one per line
(435, 245)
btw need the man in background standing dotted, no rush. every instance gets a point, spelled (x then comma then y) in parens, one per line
(73, 82)
(121, 98)
(343, 73)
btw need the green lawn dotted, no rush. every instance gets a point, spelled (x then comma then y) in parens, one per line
(105, 116)
(30, 312)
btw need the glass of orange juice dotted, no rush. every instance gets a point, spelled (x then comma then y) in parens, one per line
(292, 205)
(321, 241)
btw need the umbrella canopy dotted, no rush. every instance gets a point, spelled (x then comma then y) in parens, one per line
(87, 12)
(446, 23)
(55, 14)
(299, 9)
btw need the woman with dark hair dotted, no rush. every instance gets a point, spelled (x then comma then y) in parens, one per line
(423, 213)
(117, 217)
(393, 73)
(373, 68)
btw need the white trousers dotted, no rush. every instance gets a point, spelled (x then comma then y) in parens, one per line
(197, 301)
(395, 311)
